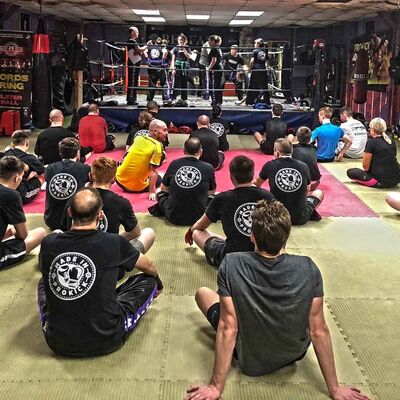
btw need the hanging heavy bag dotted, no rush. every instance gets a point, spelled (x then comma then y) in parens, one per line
(41, 79)
(360, 77)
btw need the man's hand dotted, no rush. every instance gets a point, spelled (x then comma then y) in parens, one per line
(189, 236)
(205, 392)
(348, 393)
(152, 196)
(340, 156)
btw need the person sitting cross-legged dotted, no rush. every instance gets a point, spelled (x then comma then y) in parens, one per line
(117, 210)
(16, 240)
(289, 182)
(186, 186)
(82, 310)
(233, 208)
(268, 310)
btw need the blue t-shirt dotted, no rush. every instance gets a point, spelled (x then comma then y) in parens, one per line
(327, 136)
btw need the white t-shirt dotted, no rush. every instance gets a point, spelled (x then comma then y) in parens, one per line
(358, 134)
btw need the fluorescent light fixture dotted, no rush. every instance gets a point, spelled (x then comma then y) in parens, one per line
(241, 21)
(197, 16)
(249, 13)
(146, 12)
(153, 19)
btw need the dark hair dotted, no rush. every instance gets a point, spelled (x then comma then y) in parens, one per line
(216, 111)
(151, 105)
(144, 119)
(85, 205)
(9, 166)
(183, 36)
(19, 137)
(241, 169)
(103, 170)
(192, 146)
(271, 226)
(303, 135)
(277, 109)
(69, 147)
(284, 146)
(346, 110)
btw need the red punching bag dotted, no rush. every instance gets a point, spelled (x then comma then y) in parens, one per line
(360, 77)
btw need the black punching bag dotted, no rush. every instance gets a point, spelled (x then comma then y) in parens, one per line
(360, 77)
(41, 78)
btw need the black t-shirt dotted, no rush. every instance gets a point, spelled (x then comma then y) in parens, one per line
(260, 56)
(136, 131)
(221, 128)
(157, 115)
(132, 50)
(33, 163)
(384, 166)
(179, 54)
(80, 274)
(308, 154)
(116, 209)
(215, 52)
(232, 63)
(288, 181)
(63, 179)
(155, 55)
(47, 143)
(233, 208)
(189, 181)
(11, 211)
(274, 128)
(210, 144)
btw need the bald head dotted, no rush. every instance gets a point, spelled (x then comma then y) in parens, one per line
(56, 117)
(85, 206)
(203, 121)
(158, 130)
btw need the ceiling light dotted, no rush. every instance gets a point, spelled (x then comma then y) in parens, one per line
(241, 22)
(196, 16)
(153, 19)
(249, 13)
(146, 12)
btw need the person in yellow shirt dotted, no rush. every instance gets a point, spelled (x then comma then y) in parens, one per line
(138, 171)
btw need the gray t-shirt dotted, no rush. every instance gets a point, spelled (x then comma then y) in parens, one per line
(272, 299)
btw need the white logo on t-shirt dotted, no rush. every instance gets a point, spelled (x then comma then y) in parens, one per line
(187, 177)
(102, 225)
(218, 128)
(71, 275)
(62, 186)
(142, 132)
(288, 179)
(154, 53)
(262, 55)
(243, 219)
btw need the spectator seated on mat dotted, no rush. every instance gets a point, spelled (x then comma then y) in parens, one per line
(92, 131)
(63, 179)
(141, 129)
(117, 210)
(16, 240)
(220, 127)
(356, 131)
(153, 108)
(82, 311)
(32, 179)
(258, 293)
(380, 166)
(289, 182)
(328, 136)
(46, 147)
(305, 151)
(209, 143)
(234, 209)
(274, 128)
(186, 186)
(138, 170)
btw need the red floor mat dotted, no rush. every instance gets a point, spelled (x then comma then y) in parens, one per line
(339, 200)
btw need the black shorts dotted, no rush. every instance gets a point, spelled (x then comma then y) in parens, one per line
(12, 251)
(110, 142)
(215, 250)
(29, 190)
(267, 147)
(310, 212)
